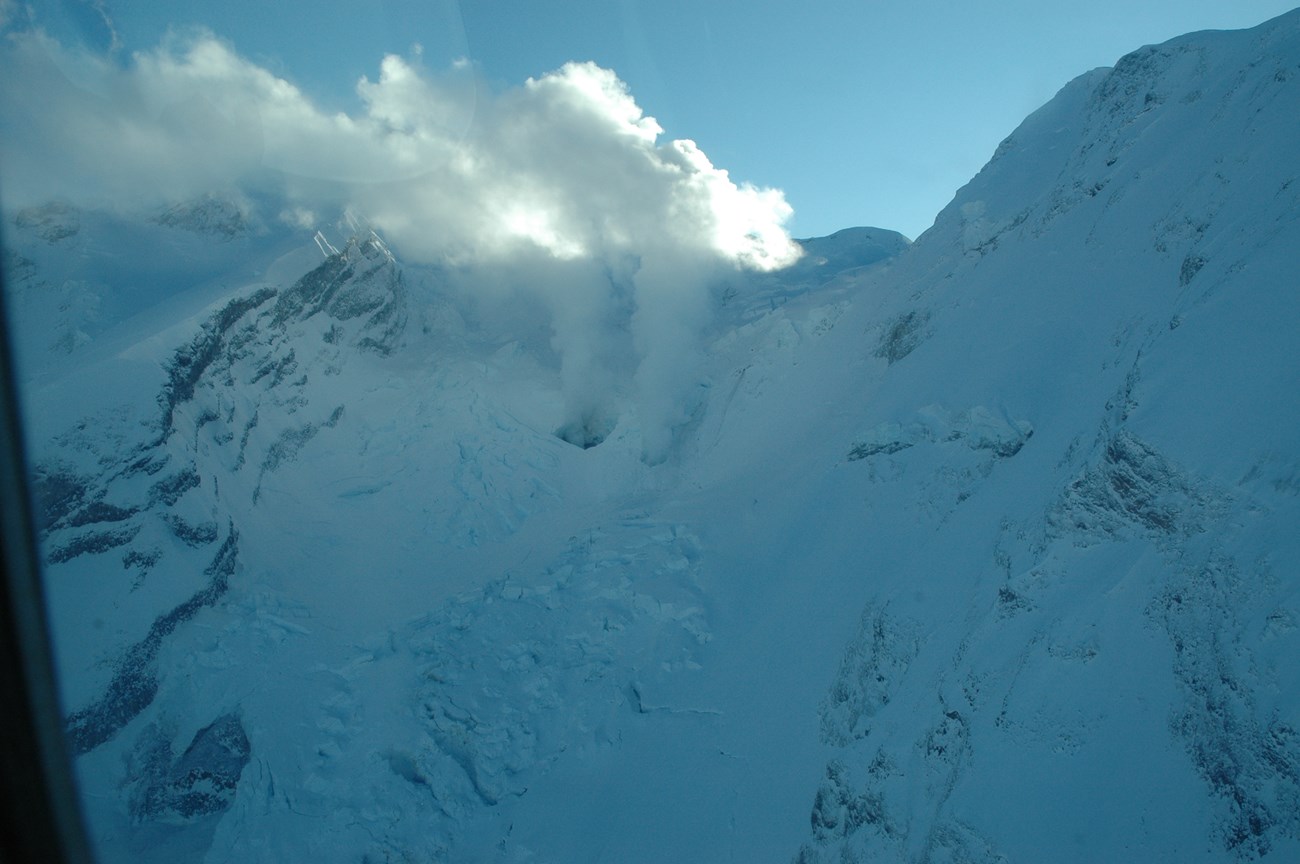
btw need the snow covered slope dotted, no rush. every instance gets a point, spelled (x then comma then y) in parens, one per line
(1076, 473)
(976, 549)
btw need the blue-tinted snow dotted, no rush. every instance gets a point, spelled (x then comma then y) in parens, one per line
(978, 549)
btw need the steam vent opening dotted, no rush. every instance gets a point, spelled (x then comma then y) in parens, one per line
(585, 434)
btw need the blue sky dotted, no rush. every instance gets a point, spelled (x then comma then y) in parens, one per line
(862, 112)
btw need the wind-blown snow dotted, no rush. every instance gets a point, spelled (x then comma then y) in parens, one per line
(975, 549)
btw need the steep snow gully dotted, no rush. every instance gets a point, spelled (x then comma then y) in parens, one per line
(978, 549)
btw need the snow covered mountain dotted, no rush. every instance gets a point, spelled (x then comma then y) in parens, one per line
(975, 549)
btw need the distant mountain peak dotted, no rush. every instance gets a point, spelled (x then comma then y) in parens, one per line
(52, 222)
(207, 214)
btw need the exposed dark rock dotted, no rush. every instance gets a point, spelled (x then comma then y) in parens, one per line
(862, 451)
(191, 361)
(149, 462)
(98, 512)
(142, 560)
(92, 544)
(206, 215)
(1192, 265)
(1010, 602)
(1133, 485)
(310, 293)
(170, 489)
(838, 811)
(278, 369)
(871, 669)
(243, 440)
(135, 681)
(208, 416)
(1248, 760)
(201, 782)
(1126, 91)
(362, 280)
(193, 535)
(58, 492)
(286, 447)
(901, 336)
(978, 428)
(1003, 447)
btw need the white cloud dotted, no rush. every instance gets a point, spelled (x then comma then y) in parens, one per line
(561, 186)
(300, 217)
